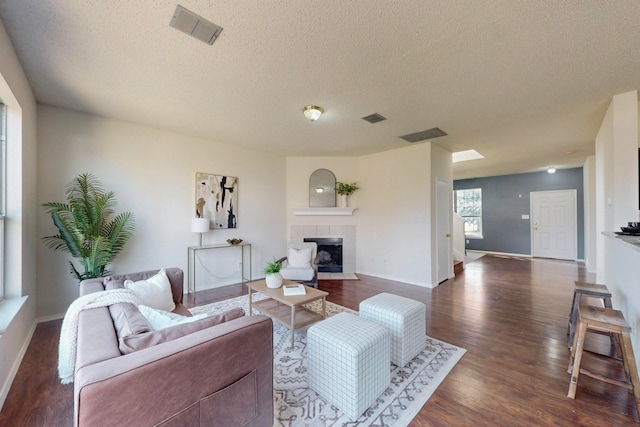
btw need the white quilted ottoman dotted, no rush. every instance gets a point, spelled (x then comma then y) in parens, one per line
(349, 362)
(406, 318)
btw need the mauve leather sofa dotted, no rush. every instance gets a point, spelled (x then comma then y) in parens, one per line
(218, 376)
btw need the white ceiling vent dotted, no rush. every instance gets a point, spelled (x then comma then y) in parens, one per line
(195, 25)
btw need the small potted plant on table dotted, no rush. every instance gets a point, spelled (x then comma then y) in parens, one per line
(272, 274)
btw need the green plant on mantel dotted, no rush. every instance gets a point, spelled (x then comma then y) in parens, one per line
(344, 188)
(86, 229)
(272, 267)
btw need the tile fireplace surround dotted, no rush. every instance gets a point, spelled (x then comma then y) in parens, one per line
(347, 232)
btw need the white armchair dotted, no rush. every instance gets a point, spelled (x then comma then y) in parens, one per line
(301, 263)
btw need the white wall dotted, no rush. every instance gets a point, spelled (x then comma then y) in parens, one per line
(623, 282)
(625, 158)
(590, 227)
(393, 204)
(442, 170)
(299, 169)
(616, 170)
(617, 203)
(152, 173)
(20, 238)
(395, 213)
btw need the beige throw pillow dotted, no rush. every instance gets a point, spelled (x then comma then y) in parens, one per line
(154, 292)
(299, 258)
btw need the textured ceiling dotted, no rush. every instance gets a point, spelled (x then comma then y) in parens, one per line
(523, 83)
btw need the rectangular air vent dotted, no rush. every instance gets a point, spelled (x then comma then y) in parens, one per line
(425, 134)
(374, 118)
(195, 25)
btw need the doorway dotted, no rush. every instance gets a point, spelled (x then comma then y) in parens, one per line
(554, 224)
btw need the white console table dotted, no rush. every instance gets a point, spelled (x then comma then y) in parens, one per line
(191, 262)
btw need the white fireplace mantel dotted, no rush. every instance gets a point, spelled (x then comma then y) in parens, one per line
(323, 211)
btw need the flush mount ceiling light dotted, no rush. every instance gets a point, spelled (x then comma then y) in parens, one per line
(312, 112)
(551, 169)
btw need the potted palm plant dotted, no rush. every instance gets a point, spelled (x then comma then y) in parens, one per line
(86, 227)
(345, 190)
(272, 274)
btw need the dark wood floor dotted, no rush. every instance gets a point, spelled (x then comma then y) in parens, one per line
(509, 314)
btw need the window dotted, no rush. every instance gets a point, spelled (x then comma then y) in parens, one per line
(3, 176)
(468, 204)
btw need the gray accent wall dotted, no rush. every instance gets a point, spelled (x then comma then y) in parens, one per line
(506, 198)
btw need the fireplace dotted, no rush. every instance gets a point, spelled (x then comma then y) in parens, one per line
(329, 253)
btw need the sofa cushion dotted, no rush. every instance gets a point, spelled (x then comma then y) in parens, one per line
(128, 320)
(138, 342)
(154, 292)
(161, 319)
(97, 339)
(297, 274)
(113, 284)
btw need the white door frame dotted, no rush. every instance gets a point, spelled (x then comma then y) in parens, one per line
(444, 212)
(575, 217)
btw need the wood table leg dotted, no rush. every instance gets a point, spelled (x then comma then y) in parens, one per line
(324, 307)
(615, 339)
(573, 316)
(631, 367)
(250, 302)
(572, 349)
(293, 323)
(579, 346)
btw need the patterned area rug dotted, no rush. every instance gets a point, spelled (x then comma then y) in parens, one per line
(295, 405)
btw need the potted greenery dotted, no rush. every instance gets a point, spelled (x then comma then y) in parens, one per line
(272, 274)
(345, 190)
(86, 228)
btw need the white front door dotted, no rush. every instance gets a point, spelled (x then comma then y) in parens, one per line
(554, 224)
(444, 207)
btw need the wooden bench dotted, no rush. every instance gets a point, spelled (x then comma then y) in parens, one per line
(592, 290)
(605, 320)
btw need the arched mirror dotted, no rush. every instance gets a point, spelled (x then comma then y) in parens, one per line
(322, 189)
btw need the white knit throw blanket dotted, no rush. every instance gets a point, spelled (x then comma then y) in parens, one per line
(69, 333)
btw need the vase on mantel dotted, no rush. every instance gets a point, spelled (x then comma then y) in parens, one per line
(345, 201)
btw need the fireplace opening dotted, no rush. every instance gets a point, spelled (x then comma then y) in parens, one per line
(329, 253)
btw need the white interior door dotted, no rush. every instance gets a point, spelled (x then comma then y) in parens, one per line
(554, 224)
(444, 207)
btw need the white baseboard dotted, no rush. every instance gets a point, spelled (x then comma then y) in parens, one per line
(16, 365)
(458, 256)
(396, 279)
(518, 255)
(502, 254)
(50, 318)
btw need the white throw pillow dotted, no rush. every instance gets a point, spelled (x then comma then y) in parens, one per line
(154, 291)
(299, 258)
(161, 319)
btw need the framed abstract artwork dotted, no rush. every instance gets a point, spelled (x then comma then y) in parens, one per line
(217, 199)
